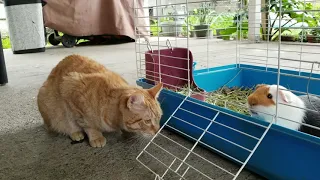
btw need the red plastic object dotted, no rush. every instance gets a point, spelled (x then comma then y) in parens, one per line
(201, 97)
(173, 66)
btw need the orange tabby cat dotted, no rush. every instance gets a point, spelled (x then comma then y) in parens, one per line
(81, 95)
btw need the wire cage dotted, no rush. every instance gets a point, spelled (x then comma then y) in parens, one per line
(211, 56)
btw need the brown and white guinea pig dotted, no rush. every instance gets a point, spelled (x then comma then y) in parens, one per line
(262, 104)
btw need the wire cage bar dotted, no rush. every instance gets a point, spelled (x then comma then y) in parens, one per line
(197, 47)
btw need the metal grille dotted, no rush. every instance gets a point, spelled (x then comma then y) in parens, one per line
(256, 42)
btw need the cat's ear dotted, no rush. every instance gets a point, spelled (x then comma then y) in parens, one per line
(155, 91)
(136, 102)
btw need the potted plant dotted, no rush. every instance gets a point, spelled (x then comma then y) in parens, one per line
(188, 24)
(287, 37)
(302, 36)
(171, 26)
(204, 14)
(168, 26)
(314, 36)
(221, 23)
(239, 27)
(218, 34)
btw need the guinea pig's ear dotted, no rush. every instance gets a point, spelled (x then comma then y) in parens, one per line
(285, 96)
(259, 86)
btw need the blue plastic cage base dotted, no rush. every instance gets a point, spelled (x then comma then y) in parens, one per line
(283, 153)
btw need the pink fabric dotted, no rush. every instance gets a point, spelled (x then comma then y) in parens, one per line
(94, 17)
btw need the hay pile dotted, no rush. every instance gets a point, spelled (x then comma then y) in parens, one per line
(234, 98)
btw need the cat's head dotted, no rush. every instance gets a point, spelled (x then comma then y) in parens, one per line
(142, 112)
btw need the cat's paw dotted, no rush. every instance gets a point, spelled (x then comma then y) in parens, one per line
(99, 142)
(77, 136)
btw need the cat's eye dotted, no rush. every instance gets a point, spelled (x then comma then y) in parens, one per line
(269, 96)
(147, 121)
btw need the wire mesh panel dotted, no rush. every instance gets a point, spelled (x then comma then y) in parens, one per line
(202, 48)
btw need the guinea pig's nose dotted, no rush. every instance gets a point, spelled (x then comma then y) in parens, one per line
(252, 101)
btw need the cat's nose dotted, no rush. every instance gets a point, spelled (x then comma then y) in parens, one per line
(155, 129)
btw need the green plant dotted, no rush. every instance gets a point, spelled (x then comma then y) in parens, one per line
(239, 27)
(204, 13)
(6, 43)
(287, 33)
(189, 23)
(154, 23)
(154, 27)
(302, 36)
(315, 33)
(168, 18)
(288, 13)
(316, 13)
(222, 22)
(235, 31)
(199, 16)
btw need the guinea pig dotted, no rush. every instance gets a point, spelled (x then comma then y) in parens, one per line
(262, 104)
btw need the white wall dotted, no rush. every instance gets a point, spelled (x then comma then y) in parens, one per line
(221, 6)
(3, 22)
(2, 12)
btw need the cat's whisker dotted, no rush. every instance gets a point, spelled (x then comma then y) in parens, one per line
(129, 139)
(144, 139)
(137, 141)
(132, 139)
(140, 142)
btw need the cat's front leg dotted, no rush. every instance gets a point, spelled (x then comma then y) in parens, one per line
(77, 136)
(96, 138)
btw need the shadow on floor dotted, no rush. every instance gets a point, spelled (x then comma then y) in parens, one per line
(35, 154)
(105, 40)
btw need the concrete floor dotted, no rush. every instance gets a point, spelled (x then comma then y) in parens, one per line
(27, 151)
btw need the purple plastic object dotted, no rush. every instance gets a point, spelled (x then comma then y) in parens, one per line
(173, 65)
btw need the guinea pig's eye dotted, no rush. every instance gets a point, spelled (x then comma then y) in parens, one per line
(147, 121)
(269, 96)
